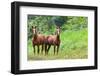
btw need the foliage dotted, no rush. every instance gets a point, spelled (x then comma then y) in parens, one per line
(46, 23)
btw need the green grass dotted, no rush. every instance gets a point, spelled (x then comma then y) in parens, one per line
(74, 45)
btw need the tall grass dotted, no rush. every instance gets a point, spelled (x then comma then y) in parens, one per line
(74, 45)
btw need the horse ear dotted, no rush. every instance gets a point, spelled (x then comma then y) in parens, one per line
(35, 27)
(57, 27)
(32, 27)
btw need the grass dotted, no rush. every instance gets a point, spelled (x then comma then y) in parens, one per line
(74, 45)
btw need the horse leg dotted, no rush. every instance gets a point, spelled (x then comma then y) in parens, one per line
(57, 49)
(38, 48)
(54, 49)
(42, 48)
(34, 48)
(48, 49)
(45, 49)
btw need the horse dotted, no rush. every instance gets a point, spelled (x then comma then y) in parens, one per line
(53, 40)
(37, 40)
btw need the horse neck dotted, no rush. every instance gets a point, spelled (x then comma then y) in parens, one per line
(58, 37)
(35, 36)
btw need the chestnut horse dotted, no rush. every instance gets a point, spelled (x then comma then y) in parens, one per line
(53, 40)
(37, 40)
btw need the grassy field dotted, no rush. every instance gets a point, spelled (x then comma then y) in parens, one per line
(74, 45)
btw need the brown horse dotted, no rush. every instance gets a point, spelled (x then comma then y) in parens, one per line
(53, 40)
(37, 40)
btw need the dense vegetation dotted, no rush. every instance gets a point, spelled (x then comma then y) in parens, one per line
(73, 35)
